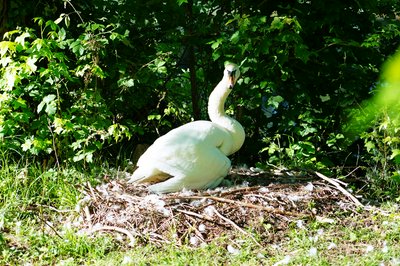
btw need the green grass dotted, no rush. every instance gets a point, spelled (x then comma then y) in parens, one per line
(35, 206)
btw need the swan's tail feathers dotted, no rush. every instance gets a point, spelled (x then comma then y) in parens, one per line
(215, 183)
(148, 175)
(176, 183)
(171, 185)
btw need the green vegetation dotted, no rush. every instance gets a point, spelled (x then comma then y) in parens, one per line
(378, 125)
(37, 227)
(81, 80)
(82, 83)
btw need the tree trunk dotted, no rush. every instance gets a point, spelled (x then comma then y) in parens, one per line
(3, 18)
(192, 62)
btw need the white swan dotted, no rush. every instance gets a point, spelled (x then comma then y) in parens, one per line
(194, 156)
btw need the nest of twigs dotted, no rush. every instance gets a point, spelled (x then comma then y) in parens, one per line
(254, 203)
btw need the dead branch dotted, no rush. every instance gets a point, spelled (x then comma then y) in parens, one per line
(239, 190)
(93, 194)
(337, 185)
(235, 226)
(203, 217)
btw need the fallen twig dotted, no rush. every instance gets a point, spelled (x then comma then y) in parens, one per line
(196, 215)
(234, 225)
(53, 208)
(200, 216)
(337, 185)
(93, 194)
(352, 171)
(88, 217)
(241, 189)
(117, 229)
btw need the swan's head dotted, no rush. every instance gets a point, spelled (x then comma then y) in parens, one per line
(232, 73)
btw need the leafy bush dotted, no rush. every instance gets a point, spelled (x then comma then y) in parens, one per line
(378, 124)
(50, 101)
(69, 92)
(303, 68)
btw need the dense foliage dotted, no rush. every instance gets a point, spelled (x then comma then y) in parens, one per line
(81, 79)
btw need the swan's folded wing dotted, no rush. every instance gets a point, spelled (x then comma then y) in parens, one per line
(191, 156)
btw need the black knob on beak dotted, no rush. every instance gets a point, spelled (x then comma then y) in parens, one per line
(231, 73)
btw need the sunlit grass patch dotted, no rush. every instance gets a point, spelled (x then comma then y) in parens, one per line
(39, 222)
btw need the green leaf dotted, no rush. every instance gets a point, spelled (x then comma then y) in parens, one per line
(159, 63)
(369, 145)
(154, 117)
(5, 61)
(6, 46)
(302, 52)
(67, 21)
(62, 34)
(57, 21)
(77, 47)
(216, 56)
(9, 34)
(325, 98)
(21, 39)
(275, 101)
(79, 157)
(395, 153)
(235, 37)
(52, 25)
(396, 177)
(84, 155)
(10, 76)
(27, 145)
(339, 136)
(126, 82)
(19, 103)
(277, 23)
(215, 45)
(180, 2)
(50, 103)
(30, 62)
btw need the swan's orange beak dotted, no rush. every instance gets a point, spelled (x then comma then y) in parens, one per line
(231, 78)
(231, 82)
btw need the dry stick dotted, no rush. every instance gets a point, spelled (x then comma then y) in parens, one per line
(88, 217)
(117, 229)
(54, 145)
(53, 208)
(50, 226)
(340, 182)
(203, 217)
(195, 215)
(196, 230)
(239, 203)
(344, 191)
(222, 218)
(352, 171)
(235, 226)
(244, 189)
(163, 240)
(92, 191)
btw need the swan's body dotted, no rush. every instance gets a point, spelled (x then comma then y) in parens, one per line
(194, 156)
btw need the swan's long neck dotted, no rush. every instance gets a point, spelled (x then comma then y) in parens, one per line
(216, 111)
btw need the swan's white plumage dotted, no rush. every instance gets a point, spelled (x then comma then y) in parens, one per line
(194, 156)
